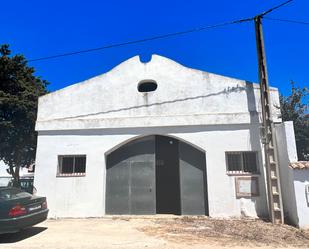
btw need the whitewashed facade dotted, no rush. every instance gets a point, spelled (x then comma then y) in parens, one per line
(213, 113)
(294, 178)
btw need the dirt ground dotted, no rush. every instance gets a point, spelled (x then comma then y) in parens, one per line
(156, 232)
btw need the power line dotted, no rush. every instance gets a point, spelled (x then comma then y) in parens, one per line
(274, 8)
(143, 40)
(287, 20)
(159, 36)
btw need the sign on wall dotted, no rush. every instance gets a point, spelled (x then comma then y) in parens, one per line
(246, 186)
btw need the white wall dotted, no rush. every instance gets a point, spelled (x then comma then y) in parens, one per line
(293, 181)
(287, 153)
(301, 179)
(85, 196)
(184, 96)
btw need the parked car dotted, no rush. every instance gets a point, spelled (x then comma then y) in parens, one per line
(20, 209)
(26, 184)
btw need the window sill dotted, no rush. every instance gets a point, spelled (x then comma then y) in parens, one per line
(71, 175)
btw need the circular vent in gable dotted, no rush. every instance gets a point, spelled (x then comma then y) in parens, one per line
(146, 86)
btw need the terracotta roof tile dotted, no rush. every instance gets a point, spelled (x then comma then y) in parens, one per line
(299, 165)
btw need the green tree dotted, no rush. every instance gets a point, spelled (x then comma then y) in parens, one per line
(295, 108)
(19, 92)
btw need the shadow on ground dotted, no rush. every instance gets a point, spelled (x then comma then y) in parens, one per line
(21, 235)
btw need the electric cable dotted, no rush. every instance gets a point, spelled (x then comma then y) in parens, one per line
(166, 35)
(286, 20)
(142, 40)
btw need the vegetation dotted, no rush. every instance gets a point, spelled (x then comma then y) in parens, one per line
(19, 92)
(295, 108)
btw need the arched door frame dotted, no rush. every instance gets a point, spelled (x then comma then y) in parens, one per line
(127, 141)
(179, 139)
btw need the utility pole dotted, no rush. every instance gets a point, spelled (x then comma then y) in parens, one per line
(270, 150)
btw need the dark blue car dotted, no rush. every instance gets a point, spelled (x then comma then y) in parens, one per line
(19, 209)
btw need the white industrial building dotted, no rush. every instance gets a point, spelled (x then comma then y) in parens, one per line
(149, 138)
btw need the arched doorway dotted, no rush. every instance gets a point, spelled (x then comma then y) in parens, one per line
(156, 175)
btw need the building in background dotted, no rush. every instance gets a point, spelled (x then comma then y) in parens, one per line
(24, 173)
(5, 177)
(26, 177)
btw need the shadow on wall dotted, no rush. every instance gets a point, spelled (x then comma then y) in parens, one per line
(301, 175)
(261, 200)
(151, 130)
(226, 91)
(145, 130)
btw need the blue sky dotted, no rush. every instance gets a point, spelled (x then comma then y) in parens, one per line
(43, 28)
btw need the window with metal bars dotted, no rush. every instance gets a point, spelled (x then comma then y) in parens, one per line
(242, 162)
(71, 165)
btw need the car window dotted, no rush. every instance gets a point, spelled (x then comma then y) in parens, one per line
(13, 193)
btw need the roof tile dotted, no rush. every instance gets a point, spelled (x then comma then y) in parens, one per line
(299, 165)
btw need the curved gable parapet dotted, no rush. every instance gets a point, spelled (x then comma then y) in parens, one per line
(107, 100)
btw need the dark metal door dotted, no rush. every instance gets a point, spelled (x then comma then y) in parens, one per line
(143, 193)
(167, 176)
(130, 178)
(118, 188)
(192, 180)
(176, 185)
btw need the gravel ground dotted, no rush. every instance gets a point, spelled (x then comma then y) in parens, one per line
(229, 232)
(156, 232)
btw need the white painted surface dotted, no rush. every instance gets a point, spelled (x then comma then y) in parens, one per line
(293, 181)
(290, 141)
(287, 153)
(184, 96)
(301, 179)
(213, 112)
(85, 196)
